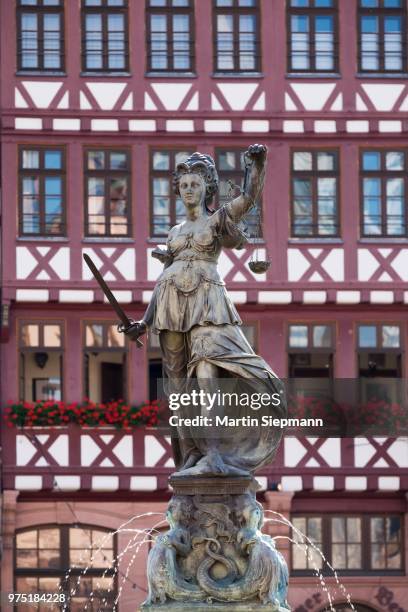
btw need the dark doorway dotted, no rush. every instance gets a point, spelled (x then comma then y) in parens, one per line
(112, 381)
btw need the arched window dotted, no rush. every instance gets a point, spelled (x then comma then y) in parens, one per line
(51, 559)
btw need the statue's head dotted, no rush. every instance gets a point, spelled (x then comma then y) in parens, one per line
(179, 510)
(249, 511)
(195, 178)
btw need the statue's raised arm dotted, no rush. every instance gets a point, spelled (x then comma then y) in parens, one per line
(255, 165)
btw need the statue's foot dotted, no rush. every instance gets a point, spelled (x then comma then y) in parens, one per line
(215, 463)
(191, 460)
(211, 464)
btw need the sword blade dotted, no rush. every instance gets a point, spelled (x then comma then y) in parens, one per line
(108, 293)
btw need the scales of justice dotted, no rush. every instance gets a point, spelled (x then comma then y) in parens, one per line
(214, 555)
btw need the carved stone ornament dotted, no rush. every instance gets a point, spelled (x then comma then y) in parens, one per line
(214, 556)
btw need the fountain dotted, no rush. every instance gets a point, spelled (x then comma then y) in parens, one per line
(214, 555)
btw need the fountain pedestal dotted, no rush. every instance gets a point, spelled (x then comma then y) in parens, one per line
(214, 557)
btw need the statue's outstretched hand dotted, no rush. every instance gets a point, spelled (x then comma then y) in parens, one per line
(257, 153)
(134, 330)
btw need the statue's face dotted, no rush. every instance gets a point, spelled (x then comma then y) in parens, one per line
(192, 189)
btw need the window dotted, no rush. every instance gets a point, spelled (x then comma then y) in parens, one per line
(51, 558)
(311, 347)
(40, 35)
(42, 191)
(315, 193)
(349, 543)
(310, 353)
(382, 35)
(231, 169)
(236, 36)
(107, 193)
(170, 35)
(105, 36)
(313, 37)
(41, 351)
(380, 361)
(167, 208)
(105, 353)
(384, 192)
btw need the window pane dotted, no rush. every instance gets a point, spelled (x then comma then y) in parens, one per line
(94, 43)
(53, 160)
(324, 42)
(339, 557)
(354, 560)
(394, 160)
(302, 161)
(395, 207)
(118, 205)
(367, 336)
(371, 160)
(298, 337)
(372, 206)
(115, 338)
(181, 157)
(322, 336)
(300, 48)
(27, 558)
(30, 335)
(94, 335)
(116, 42)
(161, 161)
(370, 43)
(393, 43)
(390, 336)
(118, 161)
(299, 3)
(27, 539)
(354, 529)
(225, 44)
(31, 159)
(96, 160)
(326, 206)
(326, 161)
(338, 525)
(368, 3)
(29, 40)
(52, 335)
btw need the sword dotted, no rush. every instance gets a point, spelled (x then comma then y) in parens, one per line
(108, 293)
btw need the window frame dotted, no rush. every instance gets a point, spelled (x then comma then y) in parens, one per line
(40, 9)
(312, 12)
(310, 348)
(380, 11)
(104, 9)
(23, 350)
(64, 548)
(42, 173)
(383, 174)
(235, 10)
(366, 544)
(168, 11)
(106, 174)
(163, 174)
(314, 175)
(379, 347)
(96, 350)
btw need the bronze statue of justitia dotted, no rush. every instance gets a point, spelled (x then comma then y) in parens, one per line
(198, 325)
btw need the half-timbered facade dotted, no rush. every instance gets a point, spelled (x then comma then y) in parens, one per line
(99, 99)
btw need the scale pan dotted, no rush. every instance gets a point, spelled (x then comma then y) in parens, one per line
(259, 267)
